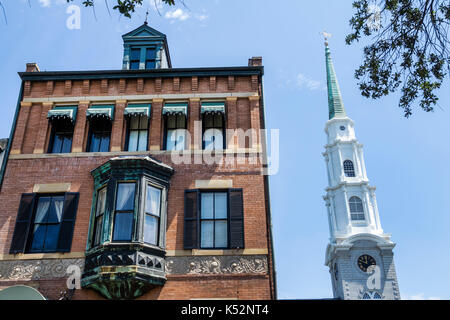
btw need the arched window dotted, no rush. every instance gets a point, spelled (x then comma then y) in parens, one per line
(349, 169)
(371, 295)
(356, 209)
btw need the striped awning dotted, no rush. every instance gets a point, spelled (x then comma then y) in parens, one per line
(101, 111)
(213, 107)
(137, 110)
(63, 112)
(175, 108)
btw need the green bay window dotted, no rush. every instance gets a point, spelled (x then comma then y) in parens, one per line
(127, 226)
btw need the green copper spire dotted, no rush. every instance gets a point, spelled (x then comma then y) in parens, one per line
(335, 104)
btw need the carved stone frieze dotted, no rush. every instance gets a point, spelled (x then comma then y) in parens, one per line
(37, 269)
(217, 265)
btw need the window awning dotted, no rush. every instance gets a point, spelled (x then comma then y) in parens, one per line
(137, 110)
(213, 107)
(175, 108)
(101, 111)
(63, 112)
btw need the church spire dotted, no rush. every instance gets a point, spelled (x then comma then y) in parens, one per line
(335, 103)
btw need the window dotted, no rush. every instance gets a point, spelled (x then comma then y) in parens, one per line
(135, 58)
(214, 219)
(175, 132)
(356, 209)
(45, 223)
(349, 170)
(124, 212)
(213, 131)
(99, 135)
(61, 136)
(99, 213)
(137, 133)
(371, 295)
(150, 59)
(152, 215)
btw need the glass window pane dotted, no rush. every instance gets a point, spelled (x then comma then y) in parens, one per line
(220, 205)
(171, 122)
(208, 121)
(207, 234)
(218, 140)
(150, 64)
(51, 237)
(135, 54)
(151, 54)
(220, 236)
(56, 208)
(151, 229)
(133, 140)
(57, 143)
(95, 143)
(207, 206)
(42, 210)
(134, 123)
(67, 144)
(181, 121)
(101, 202)
(98, 230)
(104, 145)
(125, 196)
(142, 140)
(153, 200)
(171, 139)
(180, 139)
(218, 120)
(134, 65)
(38, 236)
(143, 122)
(123, 226)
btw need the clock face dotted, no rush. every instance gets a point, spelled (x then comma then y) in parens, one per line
(365, 261)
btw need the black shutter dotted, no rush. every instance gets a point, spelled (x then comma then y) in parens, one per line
(236, 206)
(191, 219)
(67, 222)
(23, 222)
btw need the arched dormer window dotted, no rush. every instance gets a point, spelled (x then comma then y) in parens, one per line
(356, 209)
(349, 169)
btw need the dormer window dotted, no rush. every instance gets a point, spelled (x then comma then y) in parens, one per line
(150, 58)
(135, 58)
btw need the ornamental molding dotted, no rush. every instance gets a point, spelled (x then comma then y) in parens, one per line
(44, 269)
(210, 265)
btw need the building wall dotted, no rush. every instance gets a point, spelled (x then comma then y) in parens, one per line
(30, 168)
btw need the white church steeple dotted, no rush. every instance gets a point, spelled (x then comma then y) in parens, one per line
(358, 245)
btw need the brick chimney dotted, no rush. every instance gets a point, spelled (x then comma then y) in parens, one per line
(32, 67)
(255, 62)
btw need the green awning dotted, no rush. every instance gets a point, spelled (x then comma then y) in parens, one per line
(137, 110)
(101, 111)
(213, 107)
(63, 112)
(175, 108)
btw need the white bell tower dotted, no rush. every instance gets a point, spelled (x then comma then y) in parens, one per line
(359, 253)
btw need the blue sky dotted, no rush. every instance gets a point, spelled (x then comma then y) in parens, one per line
(407, 159)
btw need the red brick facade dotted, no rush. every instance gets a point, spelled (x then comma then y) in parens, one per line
(30, 166)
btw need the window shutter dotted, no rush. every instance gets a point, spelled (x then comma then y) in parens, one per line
(191, 217)
(236, 206)
(23, 222)
(67, 222)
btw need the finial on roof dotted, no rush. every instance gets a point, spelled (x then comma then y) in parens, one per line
(146, 17)
(326, 36)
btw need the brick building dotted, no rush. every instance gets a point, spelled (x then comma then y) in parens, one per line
(111, 171)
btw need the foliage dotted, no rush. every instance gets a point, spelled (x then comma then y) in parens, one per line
(125, 7)
(408, 49)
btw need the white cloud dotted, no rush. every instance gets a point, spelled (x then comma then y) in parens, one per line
(177, 14)
(201, 17)
(45, 3)
(421, 296)
(310, 84)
